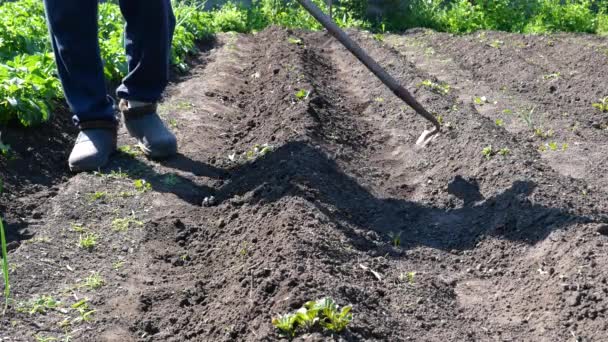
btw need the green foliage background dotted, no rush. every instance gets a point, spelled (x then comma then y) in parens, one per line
(29, 89)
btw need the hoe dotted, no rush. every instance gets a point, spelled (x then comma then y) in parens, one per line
(375, 68)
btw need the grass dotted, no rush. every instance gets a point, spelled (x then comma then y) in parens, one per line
(7, 288)
(94, 281)
(123, 224)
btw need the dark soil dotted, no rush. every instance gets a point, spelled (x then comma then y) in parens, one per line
(510, 248)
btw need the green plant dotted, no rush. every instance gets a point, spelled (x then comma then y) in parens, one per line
(41, 338)
(40, 305)
(87, 241)
(410, 277)
(527, 117)
(293, 40)
(496, 44)
(123, 224)
(442, 88)
(302, 94)
(504, 151)
(171, 180)
(94, 281)
(323, 312)
(129, 150)
(480, 100)
(487, 152)
(7, 288)
(142, 185)
(395, 238)
(539, 132)
(499, 122)
(118, 265)
(83, 310)
(552, 76)
(602, 105)
(97, 195)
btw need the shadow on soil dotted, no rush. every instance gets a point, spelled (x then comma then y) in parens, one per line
(299, 170)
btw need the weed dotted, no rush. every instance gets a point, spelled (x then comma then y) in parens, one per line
(442, 88)
(602, 105)
(395, 238)
(507, 111)
(123, 224)
(113, 174)
(504, 151)
(552, 146)
(87, 241)
(170, 180)
(41, 338)
(302, 94)
(173, 123)
(410, 277)
(379, 99)
(293, 40)
(378, 37)
(539, 132)
(94, 281)
(77, 228)
(39, 305)
(499, 122)
(82, 308)
(7, 287)
(129, 151)
(553, 76)
(118, 265)
(142, 185)
(487, 152)
(564, 146)
(527, 117)
(125, 194)
(97, 195)
(480, 100)
(497, 44)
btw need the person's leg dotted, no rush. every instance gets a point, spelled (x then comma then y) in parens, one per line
(148, 35)
(73, 30)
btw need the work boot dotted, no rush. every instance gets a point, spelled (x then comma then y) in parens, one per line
(95, 144)
(144, 124)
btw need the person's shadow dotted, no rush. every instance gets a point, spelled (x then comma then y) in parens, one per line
(297, 169)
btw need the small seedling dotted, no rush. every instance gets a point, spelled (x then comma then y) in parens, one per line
(488, 152)
(442, 88)
(527, 117)
(504, 151)
(129, 150)
(78, 228)
(97, 195)
(118, 265)
(94, 281)
(564, 146)
(395, 238)
(378, 37)
(553, 76)
(507, 111)
(41, 338)
(480, 100)
(293, 40)
(602, 105)
(40, 305)
(302, 94)
(499, 122)
(170, 180)
(496, 44)
(87, 241)
(379, 99)
(4, 149)
(123, 224)
(539, 132)
(410, 277)
(82, 307)
(553, 146)
(142, 185)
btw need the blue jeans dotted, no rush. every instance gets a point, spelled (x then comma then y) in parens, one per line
(148, 34)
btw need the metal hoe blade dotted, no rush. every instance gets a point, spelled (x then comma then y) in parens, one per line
(375, 68)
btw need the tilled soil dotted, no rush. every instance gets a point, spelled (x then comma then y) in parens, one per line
(427, 244)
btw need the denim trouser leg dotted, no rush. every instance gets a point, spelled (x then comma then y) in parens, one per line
(148, 35)
(73, 28)
(74, 36)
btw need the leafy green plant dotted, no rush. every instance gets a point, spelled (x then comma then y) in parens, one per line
(539, 132)
(97, 195)
(39, 305)
(552, 76)
(323, 312)
(83, 310)
(602, 105)
(302, 94)
(7, 287)
(504, 151)
(410, 277)
(499, 122)
(293, 40)
(497, 44)
(142, 185)
(488, 152)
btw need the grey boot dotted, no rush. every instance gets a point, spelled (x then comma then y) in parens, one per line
(144, 124)
(94, 146)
